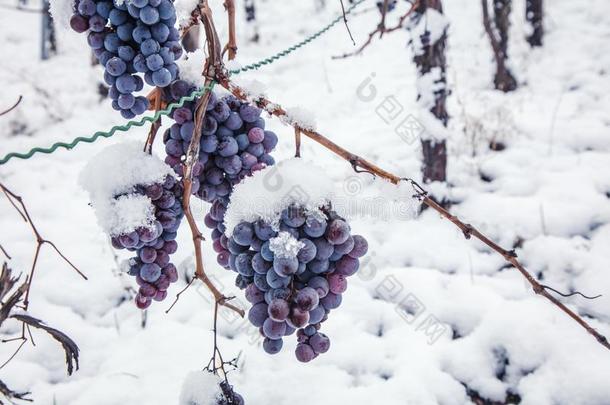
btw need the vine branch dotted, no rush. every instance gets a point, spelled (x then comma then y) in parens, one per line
(231, 45)
(381, 29)
(213, 64)
(468, 230)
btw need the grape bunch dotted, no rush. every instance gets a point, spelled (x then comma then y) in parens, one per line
(136, 36)
(233, 144)
(293, 273)
(154, 245)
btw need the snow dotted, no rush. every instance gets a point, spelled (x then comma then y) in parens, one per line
(546, 193)
(184, 8)
(191, 67)
(285, 245)
(269, 191)
(254, 89)
(61, 11)
(200, 388)
(115, 171)
(301, 117)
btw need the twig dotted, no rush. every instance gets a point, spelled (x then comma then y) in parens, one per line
(179, 294)
(570, 294)
(381, 29)
(231, 45)
(156, 104)
(297, 142)
(468, 230)
(345, 22)
(13, 107)
(212, 66)
(18, 204)
(5, 252)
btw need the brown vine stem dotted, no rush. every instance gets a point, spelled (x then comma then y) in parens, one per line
(156, 101)
(469, 231)
(213, 63)
(381, 29)
(231, 45)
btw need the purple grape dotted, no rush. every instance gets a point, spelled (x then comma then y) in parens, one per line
(276, 281)
(320, 284)
(273, 329)
(337, 283)
(308, 251)
(320, 343)
(150, 272)
(278, 309)
(242, 234)
(361, 246)
(316, 315)
(314, 228)
(254, 295)
(147, 255)
(256, 135)
(298, 318)
(304, 353)
(331, 301)
(272, 346)
(258, 314)
(307, 299)
(337, 232)
(347, 266)
(249, 113)
(79, 23)
(285, 266)
(323, 249)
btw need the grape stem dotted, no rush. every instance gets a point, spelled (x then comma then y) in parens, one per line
(156, 102)
(213, 63)
(381, 28)
(361, 165)
(231, 45)
(17, 203)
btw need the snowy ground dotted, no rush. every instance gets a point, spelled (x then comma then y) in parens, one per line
(547, 194)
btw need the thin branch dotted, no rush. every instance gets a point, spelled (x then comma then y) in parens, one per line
(231, 45)
(297, 142)
(571, 294)
(21, 208)
(345, 22)
(156, 103)
(5, 252)
(179, 294)
(13, 107)
(381, 29)
(468, 230)
(212, 66)
(23, 341)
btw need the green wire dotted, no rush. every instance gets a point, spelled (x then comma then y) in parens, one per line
(197, 93)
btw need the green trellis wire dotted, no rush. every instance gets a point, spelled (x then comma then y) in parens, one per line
(197, 93)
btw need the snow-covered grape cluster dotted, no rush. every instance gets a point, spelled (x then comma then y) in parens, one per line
(294, 271)
(129, 37)
(234, 143)
(152, 267)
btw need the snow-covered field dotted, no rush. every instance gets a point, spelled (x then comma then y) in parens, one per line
(474, 323)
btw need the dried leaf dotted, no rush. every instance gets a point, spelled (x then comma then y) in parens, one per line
(5, 308)
(10, 394)
(68, 344)
(6, 281)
